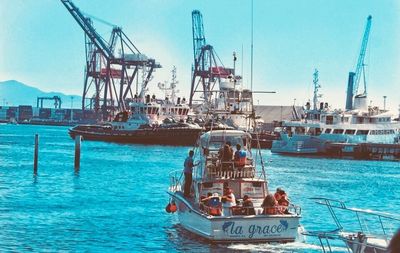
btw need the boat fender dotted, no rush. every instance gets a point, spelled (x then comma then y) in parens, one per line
(173, 207)
(168, 208)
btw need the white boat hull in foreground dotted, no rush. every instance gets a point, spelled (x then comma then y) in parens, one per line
(238, 228)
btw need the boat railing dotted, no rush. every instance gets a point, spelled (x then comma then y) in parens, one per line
(324, 238)
(175, 181)
(228, 170)
(379, 217)
(242, 210)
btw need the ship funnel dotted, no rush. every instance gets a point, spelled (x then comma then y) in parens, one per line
(350, 86)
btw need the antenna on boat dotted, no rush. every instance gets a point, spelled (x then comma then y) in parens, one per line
(316, 87)
(251, 64)
(241, 74)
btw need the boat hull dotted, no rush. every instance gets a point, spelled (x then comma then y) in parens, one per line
(253, 228)
(162, 136)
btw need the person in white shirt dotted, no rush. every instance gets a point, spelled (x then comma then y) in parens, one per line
(228, 201)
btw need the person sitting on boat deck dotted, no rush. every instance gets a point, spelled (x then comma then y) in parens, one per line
(270, 205)
(239, 157)
(248, 208)
(226, 154)
(213, 204)
(283, 201)
(204, 200)
(228, 201)
(188, 169)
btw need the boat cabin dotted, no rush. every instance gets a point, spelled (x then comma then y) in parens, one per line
(214, 174)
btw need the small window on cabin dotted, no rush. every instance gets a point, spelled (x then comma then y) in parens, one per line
(362, 132)
(328, 131)
(257, 184)
(338, 131)
(350, 131)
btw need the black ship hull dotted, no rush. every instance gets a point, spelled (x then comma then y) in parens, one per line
(263, 139)
(156, 136)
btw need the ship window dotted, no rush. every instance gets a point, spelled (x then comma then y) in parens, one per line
(257, 184)
(362, 132)
(338, 131)
(350, 131)
(346, 119)
(329, 120)
(328, 131)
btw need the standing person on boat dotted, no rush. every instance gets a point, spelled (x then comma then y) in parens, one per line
(240, 156)
(226, 154)
(228, 201)
(188, 169)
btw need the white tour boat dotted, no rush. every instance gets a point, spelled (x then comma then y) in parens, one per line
(211, 177)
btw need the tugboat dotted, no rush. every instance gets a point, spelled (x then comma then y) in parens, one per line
(204, 213)
(141, 124)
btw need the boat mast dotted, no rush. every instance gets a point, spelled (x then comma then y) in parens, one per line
(316, 88)
(251, 65)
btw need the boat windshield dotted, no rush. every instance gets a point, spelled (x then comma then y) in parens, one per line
(216, 142)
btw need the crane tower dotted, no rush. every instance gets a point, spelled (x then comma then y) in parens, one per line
(354, 77)
(110, 75)
(207, 71)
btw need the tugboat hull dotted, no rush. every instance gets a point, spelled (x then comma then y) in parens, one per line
(162, 136)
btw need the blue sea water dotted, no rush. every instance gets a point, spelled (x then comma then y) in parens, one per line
(115, 203)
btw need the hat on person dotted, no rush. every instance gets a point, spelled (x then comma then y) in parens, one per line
(215, 194)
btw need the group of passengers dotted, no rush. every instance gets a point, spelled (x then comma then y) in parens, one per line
(276, 203)
(219, 206)
(227, 205)
(227, 156)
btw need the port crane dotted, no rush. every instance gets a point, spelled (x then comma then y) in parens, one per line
(354, 77)
(57, 101)
(110, 75)
(208, 68)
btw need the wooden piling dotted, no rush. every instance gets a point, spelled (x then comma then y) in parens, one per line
(77, 151)
(36, 154)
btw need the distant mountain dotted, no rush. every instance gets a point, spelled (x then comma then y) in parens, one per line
(14, 93)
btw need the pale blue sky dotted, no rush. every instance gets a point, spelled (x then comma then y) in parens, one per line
(42, 45)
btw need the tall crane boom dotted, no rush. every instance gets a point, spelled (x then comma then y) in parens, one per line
(199, 39)
(360, 62)
(208, 68)
(354, 77)
(106, 70)
(88, 28)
